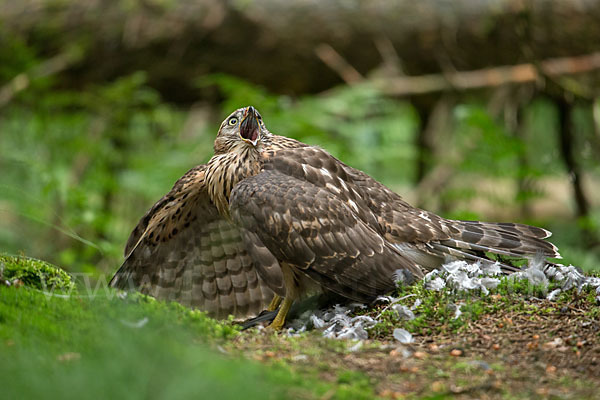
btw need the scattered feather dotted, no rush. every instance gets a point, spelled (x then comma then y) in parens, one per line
(456, 309)
(336, 322)
(403, 277)
(317, 322)
(553, 294)
(416, 304)
(491, 269)
(403, 336)
(404, 313)
(534, 274)
(137, 324)
(490, 283)
(357, 346)
(433, 281)
(387, 299)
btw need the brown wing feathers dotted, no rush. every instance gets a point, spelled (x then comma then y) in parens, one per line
(399, 223)
(189, 184)
(507, 239)
(183, 250)
(406, 224)
(318, 233)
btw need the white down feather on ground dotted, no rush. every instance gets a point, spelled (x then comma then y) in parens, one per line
(337, 322)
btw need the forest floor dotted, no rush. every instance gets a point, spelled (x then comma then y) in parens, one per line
(509, 343)
(546, 353)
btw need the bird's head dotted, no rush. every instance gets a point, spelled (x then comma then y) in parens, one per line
(242, 128)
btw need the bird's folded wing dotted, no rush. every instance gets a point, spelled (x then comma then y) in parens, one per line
(378, 206)
(422, 236)
(317, 232)
(183, 250)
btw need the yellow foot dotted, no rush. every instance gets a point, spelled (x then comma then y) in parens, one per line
(279, 320)
(274, 303)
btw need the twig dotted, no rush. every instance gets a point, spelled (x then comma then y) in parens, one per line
(392, 64)
(336, 62)
(394, 302)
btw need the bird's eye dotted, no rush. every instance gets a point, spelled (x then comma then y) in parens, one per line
(232, 121)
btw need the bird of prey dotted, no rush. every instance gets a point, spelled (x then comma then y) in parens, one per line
(271, 218)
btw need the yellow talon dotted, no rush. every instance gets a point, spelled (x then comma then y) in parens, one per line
(274, 303)
(279, 320)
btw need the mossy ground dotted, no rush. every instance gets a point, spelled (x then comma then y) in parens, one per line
(509, 344)
(66, 344)
(34, 273)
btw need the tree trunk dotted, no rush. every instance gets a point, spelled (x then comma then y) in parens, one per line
(274, 43)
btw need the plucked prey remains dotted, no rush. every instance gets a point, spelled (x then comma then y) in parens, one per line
(269, 218)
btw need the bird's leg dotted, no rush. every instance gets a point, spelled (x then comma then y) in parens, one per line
(291, 293)
(279, 320)
(274, 303)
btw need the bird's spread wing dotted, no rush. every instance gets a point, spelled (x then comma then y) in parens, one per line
(183, 250)
(190, 182)
(315, 228)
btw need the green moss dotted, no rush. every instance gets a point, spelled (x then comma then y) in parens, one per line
(109, 347)
(35, 273)
(131, 346)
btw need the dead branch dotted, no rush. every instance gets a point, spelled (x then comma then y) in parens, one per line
(337, 63)
(489, 77)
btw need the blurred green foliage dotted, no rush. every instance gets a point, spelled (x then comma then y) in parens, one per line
(79, 168)
(72, 165)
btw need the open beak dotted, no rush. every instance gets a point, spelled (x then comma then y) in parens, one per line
(249, 128)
